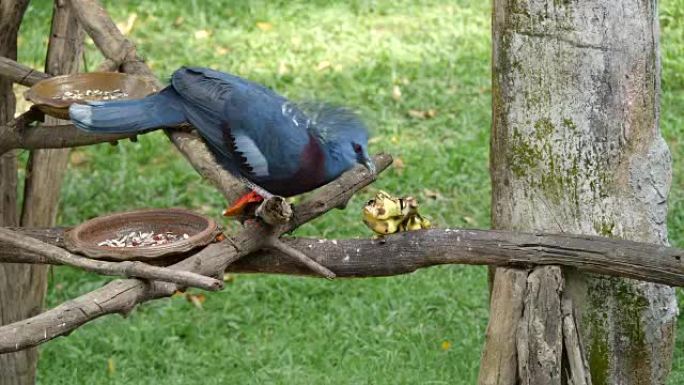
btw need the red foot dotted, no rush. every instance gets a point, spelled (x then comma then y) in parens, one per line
(241, 203)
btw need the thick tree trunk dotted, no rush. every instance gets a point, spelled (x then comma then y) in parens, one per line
(22, 287)
(576, 148)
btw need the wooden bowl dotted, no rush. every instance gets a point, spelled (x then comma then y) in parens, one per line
(84, 238)
(43, 93)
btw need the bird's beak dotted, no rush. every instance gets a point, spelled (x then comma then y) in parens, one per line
(370, 165)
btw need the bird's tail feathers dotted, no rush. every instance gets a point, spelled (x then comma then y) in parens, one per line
(129, 116)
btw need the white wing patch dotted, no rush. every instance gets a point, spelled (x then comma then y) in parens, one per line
(256, 160)
(82, 113)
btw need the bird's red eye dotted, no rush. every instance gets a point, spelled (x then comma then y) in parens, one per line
(357, 148)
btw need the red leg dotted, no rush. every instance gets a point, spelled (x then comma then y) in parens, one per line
(241, 203)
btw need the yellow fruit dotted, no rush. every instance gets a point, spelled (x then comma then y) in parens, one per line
(385, 214)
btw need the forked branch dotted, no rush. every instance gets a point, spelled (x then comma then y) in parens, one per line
(121, 296)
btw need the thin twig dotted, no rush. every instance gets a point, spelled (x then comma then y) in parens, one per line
(277, 244)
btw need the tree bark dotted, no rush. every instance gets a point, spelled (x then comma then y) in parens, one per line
(15, 368)
(576, 148)
(46, 168)
(23, 286)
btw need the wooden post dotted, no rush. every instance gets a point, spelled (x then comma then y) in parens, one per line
(15, 368)
(576, 148)
(46, 168)
(22, 287)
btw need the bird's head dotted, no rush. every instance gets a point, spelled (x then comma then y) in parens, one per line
(344, 136)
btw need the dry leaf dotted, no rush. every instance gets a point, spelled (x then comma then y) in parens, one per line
(221, 50)
(196, 299)
(77, 158)
(446, 345)
(419, 114)
(111, 367)
(264, 26)
(398, 163)
(127, 27)
(416, 114)
(201, 34)
(283, 68)
(396, 93)
(323, 65)
(432, 194)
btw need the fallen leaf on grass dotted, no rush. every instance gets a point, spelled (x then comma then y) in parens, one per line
(77, 158)
(432, 194)
(264, 26)
(201, 34)
(420, 114)
(111, 367)
(396, 93)
(446, 345)
(221, 50)
(398, 163)
(323, 65)
(283, 68)
(127, 26)
(196, 299)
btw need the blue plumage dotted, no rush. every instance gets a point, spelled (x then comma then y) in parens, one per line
(252, 131)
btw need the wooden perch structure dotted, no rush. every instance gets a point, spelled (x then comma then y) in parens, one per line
(397, 254)
(121, 296)
(265, 252)
(407, 252)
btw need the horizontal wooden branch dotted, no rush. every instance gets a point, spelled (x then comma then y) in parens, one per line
(57, 255)
(121, 296)
(20, 73)
(18, 136)
(406, 252)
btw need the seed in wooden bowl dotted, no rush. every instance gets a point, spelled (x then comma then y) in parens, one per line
(89, 94)
(143, 239)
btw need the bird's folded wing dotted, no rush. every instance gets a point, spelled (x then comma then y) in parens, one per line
(246, 125)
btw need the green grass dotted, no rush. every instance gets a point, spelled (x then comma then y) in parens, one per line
(285, 330)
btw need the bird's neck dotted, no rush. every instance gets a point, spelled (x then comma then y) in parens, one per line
(335, 163)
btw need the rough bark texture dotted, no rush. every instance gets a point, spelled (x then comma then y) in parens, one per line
(19, 73)
(576, 148)
(46, 168)
(23, 286)
(406, 252)
(499, 362)
(16, 299)
(539, 338)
